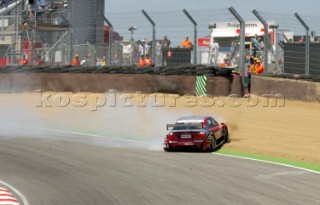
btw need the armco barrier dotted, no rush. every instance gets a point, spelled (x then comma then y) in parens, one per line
(289, 88)
(100, 83)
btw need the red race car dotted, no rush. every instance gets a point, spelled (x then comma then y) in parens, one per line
(201, 132)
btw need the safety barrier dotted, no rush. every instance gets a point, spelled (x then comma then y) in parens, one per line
(297, 88)
(180, 80)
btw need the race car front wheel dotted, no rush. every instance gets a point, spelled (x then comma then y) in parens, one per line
(226, 135)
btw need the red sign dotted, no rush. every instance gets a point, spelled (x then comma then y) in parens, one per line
(203, 42)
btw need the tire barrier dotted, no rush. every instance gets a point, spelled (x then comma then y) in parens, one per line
(177, 80)
(183, 69)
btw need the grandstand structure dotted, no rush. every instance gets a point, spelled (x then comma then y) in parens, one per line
(66, 28)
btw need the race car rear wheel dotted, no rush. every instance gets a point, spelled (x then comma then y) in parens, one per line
(213, 144)
(168, 149)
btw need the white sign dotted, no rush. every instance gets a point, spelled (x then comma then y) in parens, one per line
(58, 57)
(236, 25)
(4, 22)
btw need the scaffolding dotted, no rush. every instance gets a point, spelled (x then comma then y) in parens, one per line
(36, 38)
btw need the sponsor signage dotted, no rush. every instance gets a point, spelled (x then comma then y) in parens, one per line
(236, 25)
(203, 42)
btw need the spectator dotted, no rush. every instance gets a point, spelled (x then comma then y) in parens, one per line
(41, 8)
(214, 51)
(261, 46)
(312, 36)
(142, 61)
(75, 61)
(233, 47)
(158, 53)
(127, 52)
(165, 43)
(254, 45)
(144, 48)
(228, 56)
(247, 75)
(85, 61)
(23, 61)
(301, 40)
(225, 63)
(257, 68)
(98, 64)
(186, 43)
(116, 61)
(148, 60)
(38, 61)
(104, 61)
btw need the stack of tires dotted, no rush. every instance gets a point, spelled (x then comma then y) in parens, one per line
(183, 69)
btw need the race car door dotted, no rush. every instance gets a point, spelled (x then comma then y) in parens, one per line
(214, 127)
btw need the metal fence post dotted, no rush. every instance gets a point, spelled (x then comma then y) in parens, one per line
(17, 42)
(242, 41)
(266, 39)
(153, 34)
(307, 71)
(110, 36)
(195, 35)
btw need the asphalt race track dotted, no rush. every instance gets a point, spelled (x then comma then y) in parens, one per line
(61, 170)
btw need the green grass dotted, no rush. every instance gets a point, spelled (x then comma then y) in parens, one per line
(295, 163)
(85, 131)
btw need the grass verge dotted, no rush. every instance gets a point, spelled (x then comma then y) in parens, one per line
(295, 163)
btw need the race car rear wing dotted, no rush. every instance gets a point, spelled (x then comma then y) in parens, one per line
(187, 126)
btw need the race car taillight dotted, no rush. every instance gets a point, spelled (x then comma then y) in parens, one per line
(173, 137)
(201, 135)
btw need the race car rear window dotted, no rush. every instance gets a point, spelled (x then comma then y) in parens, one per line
(184, 126)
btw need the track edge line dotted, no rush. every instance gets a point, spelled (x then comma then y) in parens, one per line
(265, 161)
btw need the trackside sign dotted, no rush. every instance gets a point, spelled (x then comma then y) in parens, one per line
(203, 42)
(236, 25)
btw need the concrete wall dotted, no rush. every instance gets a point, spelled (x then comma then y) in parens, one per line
(291, 89)
(84, 82)
(224, 86)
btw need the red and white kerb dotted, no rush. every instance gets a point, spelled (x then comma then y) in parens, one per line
(7, 198)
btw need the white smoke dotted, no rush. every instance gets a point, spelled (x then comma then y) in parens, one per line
(119, 126)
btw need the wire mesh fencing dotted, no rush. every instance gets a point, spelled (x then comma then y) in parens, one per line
(292, 46)
(171, 29)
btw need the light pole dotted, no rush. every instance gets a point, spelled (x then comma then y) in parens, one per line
(131, 29)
